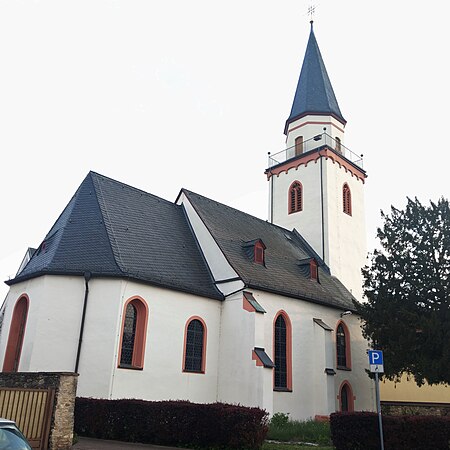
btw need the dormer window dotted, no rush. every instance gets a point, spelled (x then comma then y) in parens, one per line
(255, 251)
(259, 252)
(313, 269)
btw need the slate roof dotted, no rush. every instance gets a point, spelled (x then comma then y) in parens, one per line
(114, 230)
(283, 272)
(314, 93)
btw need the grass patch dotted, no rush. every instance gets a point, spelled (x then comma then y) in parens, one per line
(310, 431)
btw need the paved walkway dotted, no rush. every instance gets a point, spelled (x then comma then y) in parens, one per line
(85, 443)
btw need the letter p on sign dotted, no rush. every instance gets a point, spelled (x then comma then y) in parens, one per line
(376, 361)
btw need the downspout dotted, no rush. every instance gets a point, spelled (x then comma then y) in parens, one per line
(87, 277)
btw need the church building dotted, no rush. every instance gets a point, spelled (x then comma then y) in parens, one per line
(195, 300)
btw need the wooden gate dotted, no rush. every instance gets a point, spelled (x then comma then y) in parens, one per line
(31, 409)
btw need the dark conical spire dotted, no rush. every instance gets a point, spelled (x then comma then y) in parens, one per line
(314, 94)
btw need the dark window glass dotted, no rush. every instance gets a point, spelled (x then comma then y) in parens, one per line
(344, 398)
(129, 335)
(280, 353)
(194, 347)
(341, 347)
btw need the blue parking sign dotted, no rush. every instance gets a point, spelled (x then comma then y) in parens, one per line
(376, 361)
(376, 357)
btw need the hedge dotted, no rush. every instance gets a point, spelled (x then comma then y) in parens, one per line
(173, 423)
(359, 430)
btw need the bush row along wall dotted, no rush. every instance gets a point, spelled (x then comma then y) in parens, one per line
(173, 423)
(360, 430)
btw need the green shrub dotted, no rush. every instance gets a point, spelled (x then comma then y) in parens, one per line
(312, 431)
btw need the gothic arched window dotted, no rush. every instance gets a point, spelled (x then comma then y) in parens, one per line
(347, 199)
(282, 353)
(195, 346)
(16, 335)
(295, 197)
(134, 329)
(342, 347)
(346, 399)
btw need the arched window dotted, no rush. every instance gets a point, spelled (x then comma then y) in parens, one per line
(134, 331)
(295, 197)
(343, 356)
(298, 145)
(282, 352)
(195, 345)
(347, 199)
(346, 399)
(16, 335)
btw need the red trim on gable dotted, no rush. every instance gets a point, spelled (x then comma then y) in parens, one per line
(16, 334)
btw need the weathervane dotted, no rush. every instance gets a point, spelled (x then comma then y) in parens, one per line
(311, 11)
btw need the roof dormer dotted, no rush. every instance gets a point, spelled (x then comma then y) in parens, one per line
(255, 250)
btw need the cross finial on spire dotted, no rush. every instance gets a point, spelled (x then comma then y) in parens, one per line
(311, 11)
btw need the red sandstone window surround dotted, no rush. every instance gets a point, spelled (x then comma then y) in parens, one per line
(16, 335)
(346, 397)
(134, 333)
(295, 200)
(282, 352)
(343, 354)
(194, 359)
(347, 199)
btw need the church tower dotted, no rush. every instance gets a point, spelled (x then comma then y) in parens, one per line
(316, 185)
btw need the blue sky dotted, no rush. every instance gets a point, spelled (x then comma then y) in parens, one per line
(169, 94)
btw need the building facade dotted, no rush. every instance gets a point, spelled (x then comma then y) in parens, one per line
(195, 300)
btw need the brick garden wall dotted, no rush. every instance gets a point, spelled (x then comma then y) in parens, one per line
(65, 386)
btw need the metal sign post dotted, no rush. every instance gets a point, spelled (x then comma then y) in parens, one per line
(376, 366)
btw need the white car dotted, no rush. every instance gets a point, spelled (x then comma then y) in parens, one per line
(11, 437)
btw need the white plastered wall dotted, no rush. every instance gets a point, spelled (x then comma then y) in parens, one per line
(308, 222)
(310, 126)
(162, 377)
(312, 391)
(345, 237)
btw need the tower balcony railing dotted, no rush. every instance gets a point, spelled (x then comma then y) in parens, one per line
(319, 141)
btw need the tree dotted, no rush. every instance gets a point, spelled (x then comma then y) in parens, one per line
(406, 312)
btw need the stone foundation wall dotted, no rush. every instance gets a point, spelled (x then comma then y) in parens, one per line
(415, 409)
(65, 386)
